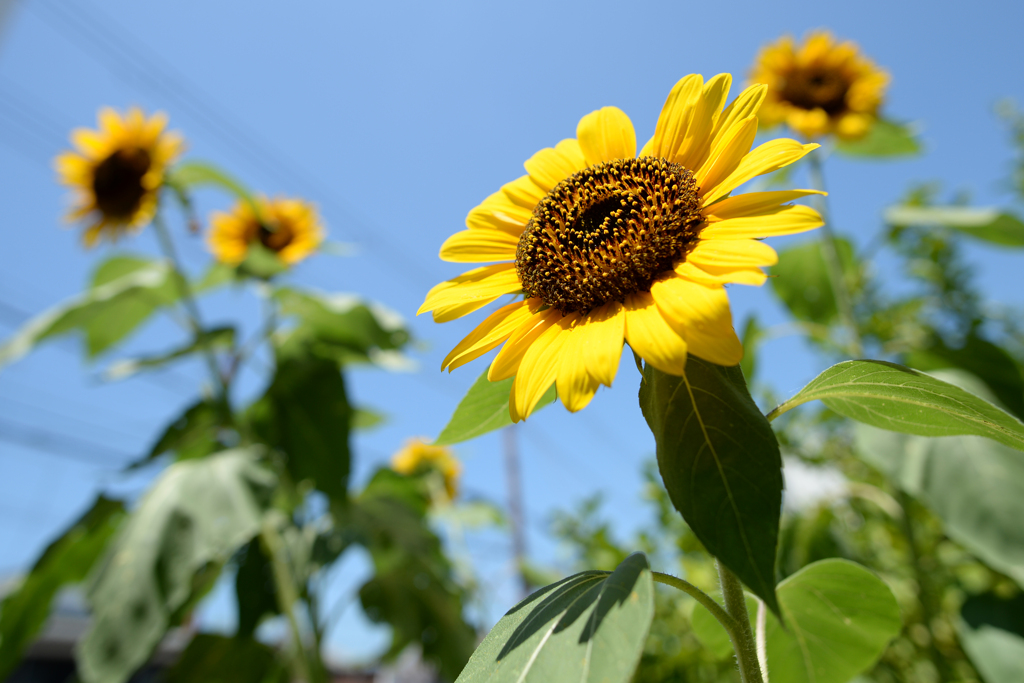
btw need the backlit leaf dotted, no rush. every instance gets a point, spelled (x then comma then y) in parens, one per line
(483, 409)
(984, 223)
(589, 628)
(721, 465)
(884, 139)
(899, 399)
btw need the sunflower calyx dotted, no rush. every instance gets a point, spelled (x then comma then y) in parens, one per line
(607, 232)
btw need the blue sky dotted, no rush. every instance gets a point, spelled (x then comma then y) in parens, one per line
(397, 118)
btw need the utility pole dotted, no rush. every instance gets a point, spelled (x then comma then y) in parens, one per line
(514, 487)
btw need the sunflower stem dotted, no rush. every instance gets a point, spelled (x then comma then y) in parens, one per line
(191, 308)
(287, 596)
(830, 250)
(742, 635)
(727, 622)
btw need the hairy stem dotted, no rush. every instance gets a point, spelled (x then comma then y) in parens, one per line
(727, 622)
(287, 596)
(830, 250)
(742, 636)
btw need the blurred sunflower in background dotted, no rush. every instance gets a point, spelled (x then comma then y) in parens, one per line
(819, 87)
(291, 228)
(116, 174)
(418, 457)
(607, 246)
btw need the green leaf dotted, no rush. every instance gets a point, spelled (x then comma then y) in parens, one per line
(305, 414)
(711, 634)
(215, 338)
(121, 303)
(801, 280)
(973, 485)
(590, 628)
(255, 588)
(217, 275)
(414, 588)
(899, 399)
(986, 224)
(981, 358)
(342, 327)
(261, 263)
(193, 174)
(196, 515)
(753, 335)
(840, 617)
(65, 561)
(192, 435)
(367, 419)
(483, 409)
(884, 139)
(721, 465)
(211, 658)
(992, 634)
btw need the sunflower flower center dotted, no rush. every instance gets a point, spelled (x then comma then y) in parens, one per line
(816, 89)
(276, 237)
(607, 232)
(117, 182)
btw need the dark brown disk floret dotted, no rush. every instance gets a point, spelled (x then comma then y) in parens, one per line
(117, 182)
(815, 88)
(607, 232)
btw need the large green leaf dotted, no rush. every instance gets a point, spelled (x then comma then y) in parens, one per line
(305, 414)
(120, 303)
(839, 619)
(721, 465)
(211, 658)
(254, 588)
(981, 358)
(801, 280)
(899, 399)
(65, 561)
(483, 409)
(884, 139)
(192, 435)
(193, 174)
(342, 327)
(973, 485)
(197, 514)
(413, 588)
(589, 628)
(986, 224)
(992, 634)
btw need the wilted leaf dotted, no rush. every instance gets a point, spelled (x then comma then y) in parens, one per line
(885, 139)
(590, 628)
(196, 514)
(65, 561)
(899, 399)
(721, 465)
(483, 409)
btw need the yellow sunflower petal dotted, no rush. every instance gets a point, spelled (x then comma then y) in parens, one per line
(754, 203)
(697, 145)
(552, 165)
(721, 275)
(603, 331)
(741, 253)
(538, 369)
(651, 336)
(747, 103)
(674, 121)
(490, 333)
(90, 143)
(506, 363)
(605, 135)
(523, 192)
(576, 386)
(701, 315)
(498, 212)
(783, 220)
(474, 246)
(726, 157)
(475, 288)
(768, 157)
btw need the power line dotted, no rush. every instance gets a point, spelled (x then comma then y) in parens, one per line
(62, 445)
(137, 65)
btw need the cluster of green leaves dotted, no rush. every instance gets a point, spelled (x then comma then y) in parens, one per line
(260, 489)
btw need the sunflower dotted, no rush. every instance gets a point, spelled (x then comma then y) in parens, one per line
(117, 171)
(289, 227)
(820, 87)
(418, 457)
(606, 246)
